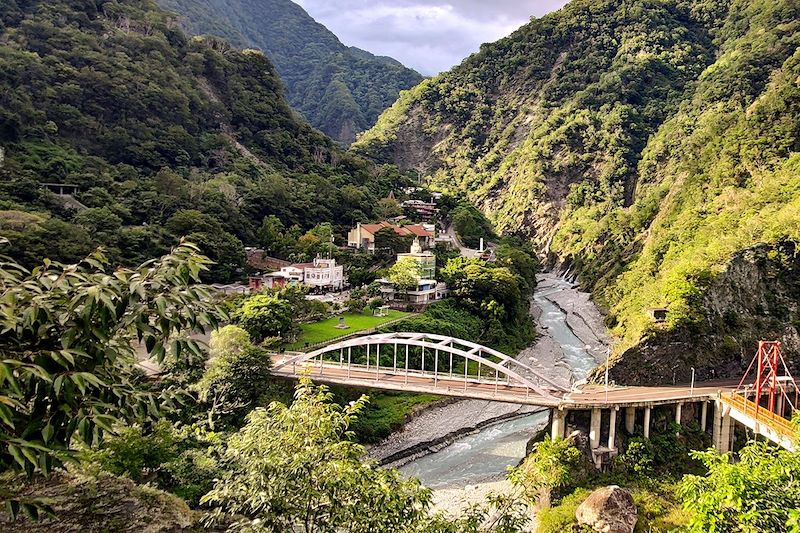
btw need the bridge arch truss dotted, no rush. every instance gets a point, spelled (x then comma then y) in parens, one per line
(402, 357)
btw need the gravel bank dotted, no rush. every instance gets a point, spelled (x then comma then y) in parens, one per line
(439, 426)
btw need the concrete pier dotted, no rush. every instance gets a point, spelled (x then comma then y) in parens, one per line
(630, 419)
(594, 428)
(721, 437)
(703, 416)
(558, 423)
(612, 429)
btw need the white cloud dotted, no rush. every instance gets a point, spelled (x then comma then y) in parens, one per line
(430, 36)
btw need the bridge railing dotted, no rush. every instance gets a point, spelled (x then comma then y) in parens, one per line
(761, 415)
(441, 381)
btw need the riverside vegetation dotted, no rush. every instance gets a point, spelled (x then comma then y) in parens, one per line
(74, 411)
(651, 148)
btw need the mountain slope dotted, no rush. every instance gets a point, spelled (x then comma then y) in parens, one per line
(650, 146)
(163, 135)
(340, 90)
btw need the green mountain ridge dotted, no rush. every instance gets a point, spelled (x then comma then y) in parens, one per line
(163, 134)
(340, 90)
(651, 147)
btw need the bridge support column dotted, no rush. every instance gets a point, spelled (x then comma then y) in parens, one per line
(678, 410)
(594, 429)
(647, 422)
(558, 423)
(630, 419)
(612, 429)
(722, 428)
(703, 416)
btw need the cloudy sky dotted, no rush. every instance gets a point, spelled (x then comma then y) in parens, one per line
(427, 35)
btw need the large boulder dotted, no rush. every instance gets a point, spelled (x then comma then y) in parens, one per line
(608, 510)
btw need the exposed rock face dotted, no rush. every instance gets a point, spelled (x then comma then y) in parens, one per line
(756, 298)
(608, 510)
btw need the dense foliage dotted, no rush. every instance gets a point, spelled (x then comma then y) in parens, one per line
(237, 374)
(759, 492)
(471, 225)
(488, 302)
(164, 136)
(640, 143)
(294, 469)
(340, 90)
(68, 372)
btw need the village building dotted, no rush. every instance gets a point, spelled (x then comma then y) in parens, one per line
(426, 292)
(289, 275)
(426, 210)
(325, 274)
(427, 289)
(320, 275)
(363, 235)
(424, 258)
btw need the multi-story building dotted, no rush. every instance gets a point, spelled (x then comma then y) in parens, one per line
(426, 291)
(425, 259)
(363, 235)
(322, 274)
(325, 274)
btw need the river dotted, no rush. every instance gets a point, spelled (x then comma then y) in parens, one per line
(488, 453)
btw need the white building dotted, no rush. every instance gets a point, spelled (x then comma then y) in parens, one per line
(426, 292)
(324, 274)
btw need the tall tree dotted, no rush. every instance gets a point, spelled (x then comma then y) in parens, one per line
(295, 469)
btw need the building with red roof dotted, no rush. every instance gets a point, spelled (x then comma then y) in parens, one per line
(363, 235)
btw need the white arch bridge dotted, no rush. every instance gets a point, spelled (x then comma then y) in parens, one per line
(427, 363)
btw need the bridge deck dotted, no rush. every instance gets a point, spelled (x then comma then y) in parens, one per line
(761, 420)
(488, 388)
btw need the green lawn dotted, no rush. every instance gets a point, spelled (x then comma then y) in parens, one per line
(326, 329)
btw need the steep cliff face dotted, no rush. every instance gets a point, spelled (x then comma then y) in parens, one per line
(757, 297)
(640, 144)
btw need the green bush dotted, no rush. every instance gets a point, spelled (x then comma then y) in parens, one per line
(192, 474)
(264, 316)
(639, 457)
(561, 517)
(237, 376)
(136, 453)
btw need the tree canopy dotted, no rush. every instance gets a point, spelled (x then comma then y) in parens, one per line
(294, 468)
(163, 136)
(340, 90)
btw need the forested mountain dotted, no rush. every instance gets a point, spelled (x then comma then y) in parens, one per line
(650, 147)
(340, 90)
(164, 135)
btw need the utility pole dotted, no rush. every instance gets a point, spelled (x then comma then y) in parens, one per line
(608, 356)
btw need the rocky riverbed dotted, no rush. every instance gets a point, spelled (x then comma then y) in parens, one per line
(572, 340)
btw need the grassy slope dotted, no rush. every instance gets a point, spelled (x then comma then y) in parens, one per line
(325, 330)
